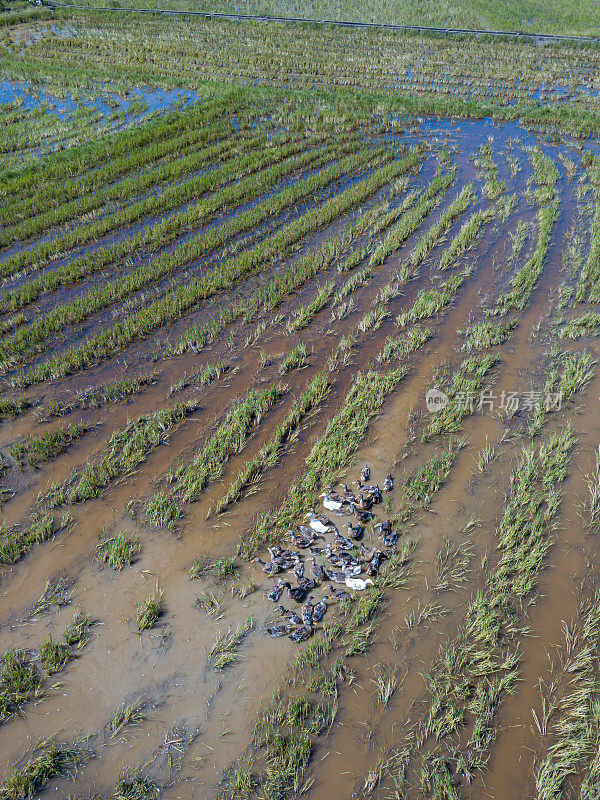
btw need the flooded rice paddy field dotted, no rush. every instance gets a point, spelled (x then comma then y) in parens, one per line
(184, 50)
(210, 318)
(39, 121)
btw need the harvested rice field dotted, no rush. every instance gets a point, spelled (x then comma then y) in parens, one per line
(299, 431)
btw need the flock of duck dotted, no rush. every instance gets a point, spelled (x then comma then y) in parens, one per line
(343, 558)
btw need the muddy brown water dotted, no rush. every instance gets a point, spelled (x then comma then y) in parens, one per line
(204, 718)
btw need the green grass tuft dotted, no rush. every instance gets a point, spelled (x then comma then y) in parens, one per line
(119, 551)
(150, 611)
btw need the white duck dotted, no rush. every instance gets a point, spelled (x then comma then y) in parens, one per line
(318, 525)
(330, 504)
(359, 584)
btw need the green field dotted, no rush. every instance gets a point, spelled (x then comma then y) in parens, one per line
(533, 16)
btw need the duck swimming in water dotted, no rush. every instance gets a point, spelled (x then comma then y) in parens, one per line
(360, 514)
(279, 559)
(364, 503)
(334, 559)
(304, 539)
(276, 591)
(320, 609)
(332, 503)
(307, 612)
(337, 593)
(267, 567)
(317, 571)
(290, 615)
(298, 568)
(341, 559)
(390, 541)
(333, 495)
(350, 570)
(338, 577)
(279, 630)
(341, 542)
(318, 523)
(297, 593)
(355, 531)
(348, 495)
(374, 493)
(373, 567)
(366, 555)
(388, 537)
(303, 633)
(358, 584)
